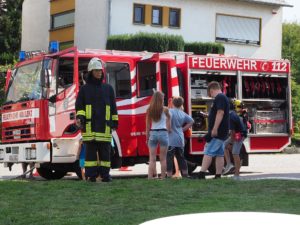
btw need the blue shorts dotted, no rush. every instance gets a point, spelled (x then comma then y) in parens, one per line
(236, 145)
(160, 137)
(81, 163)
(214, 148)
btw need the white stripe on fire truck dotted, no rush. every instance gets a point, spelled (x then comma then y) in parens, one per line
(173, 72)
(130, 101)
(71, 91)
(140, 110)
(175, 91)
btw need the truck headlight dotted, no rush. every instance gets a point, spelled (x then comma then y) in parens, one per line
(1, 154)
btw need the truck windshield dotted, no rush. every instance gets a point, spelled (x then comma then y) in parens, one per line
(25, 83)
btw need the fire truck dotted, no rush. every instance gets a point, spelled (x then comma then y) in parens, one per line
(38, 116)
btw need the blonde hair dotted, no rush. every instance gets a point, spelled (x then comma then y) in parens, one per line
(156, 106)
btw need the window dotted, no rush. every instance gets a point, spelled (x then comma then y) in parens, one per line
(138, 13)
(236, 29)
(174, 17)
(62, 19)
(26, 83)
(146, 78)
(65, 73)
(156, 15)
(118, 76)
(65, 45)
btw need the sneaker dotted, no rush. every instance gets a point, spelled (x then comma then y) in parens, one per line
(228, 168)
(91, 179)
(217, 176)
(236, 177)
(107, 179)
(201, 175)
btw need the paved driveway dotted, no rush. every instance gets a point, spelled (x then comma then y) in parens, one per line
(261, 166)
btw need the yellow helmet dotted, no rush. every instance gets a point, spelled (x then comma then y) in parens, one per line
(238, 105)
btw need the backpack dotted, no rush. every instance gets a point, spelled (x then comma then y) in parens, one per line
(245, 124)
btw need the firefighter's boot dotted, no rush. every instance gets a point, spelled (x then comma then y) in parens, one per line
(104, 172)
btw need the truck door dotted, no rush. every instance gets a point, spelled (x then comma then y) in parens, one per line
(63, 88)
(148, 79)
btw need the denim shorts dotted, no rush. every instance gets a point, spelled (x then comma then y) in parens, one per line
(236, 145)
(214, 148)
(160, 137)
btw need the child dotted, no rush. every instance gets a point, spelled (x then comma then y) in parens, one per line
(81, 154)
(180, 122)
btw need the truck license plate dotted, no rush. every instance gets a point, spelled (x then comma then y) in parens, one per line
(13, 158)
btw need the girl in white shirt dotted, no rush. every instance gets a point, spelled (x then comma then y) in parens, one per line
(157, 127)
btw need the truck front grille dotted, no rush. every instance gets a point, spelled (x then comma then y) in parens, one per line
(19, 132)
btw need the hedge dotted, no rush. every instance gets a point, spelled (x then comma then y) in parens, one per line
(145, 42)
(204, 48)
(154, 42)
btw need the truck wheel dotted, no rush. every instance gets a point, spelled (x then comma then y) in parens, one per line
(51, 174)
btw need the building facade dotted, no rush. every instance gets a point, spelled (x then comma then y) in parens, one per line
(247, 28)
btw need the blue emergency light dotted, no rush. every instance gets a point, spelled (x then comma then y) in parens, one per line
(22, 56)
(53, 46)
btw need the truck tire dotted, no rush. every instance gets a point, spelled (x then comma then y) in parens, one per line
(51, 174)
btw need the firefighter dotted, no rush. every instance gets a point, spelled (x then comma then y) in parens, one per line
(96, 115)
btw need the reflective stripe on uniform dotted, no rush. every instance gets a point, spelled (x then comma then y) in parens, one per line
(103, 139)
(105, 164)
(107, 112)
(91, 163)
(80, 113)
(115, 117)
(88, 111)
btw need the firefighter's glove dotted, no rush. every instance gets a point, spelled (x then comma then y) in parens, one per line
(80, 121)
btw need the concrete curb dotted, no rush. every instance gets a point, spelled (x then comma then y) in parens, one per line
(292, 150)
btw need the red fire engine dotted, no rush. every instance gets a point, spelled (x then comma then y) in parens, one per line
(38, 117)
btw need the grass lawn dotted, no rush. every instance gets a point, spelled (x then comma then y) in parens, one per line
(133, 201)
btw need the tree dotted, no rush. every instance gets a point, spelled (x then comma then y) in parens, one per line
(291, 51)
(10, 33)
(291, 47)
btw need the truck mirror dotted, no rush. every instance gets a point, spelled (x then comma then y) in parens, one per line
(8, 79)
(52, 99)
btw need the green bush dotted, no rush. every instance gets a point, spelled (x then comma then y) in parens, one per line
(200, 48)
(6, 58)
(145, 42)
(154, 42)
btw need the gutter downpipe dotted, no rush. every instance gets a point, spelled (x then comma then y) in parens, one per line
(109, 18)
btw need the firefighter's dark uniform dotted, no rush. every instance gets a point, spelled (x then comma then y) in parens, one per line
(97, 111)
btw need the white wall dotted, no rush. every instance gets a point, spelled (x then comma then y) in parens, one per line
(35, 25)
(198, 23)
(91, 23)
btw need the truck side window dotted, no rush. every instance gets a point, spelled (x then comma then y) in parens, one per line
(65, 74)
(118, 76)
(146, 78)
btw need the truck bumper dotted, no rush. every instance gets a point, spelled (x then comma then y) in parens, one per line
(25, 152)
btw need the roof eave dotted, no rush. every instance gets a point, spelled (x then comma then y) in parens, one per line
(283, 4)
